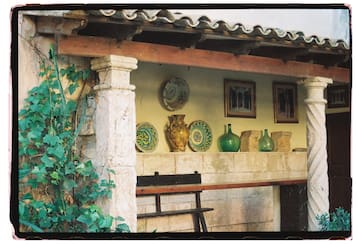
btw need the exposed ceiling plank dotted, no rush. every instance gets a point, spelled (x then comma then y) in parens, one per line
(156, 53)
(54, 25)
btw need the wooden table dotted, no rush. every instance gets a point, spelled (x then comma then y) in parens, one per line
(146, 190)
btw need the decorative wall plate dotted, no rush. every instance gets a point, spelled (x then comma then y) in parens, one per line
(174, 93)
(146, 137)
(200, 138)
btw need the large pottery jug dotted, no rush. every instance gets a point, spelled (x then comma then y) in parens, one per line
(229, 142)
(266, 144)
(177, 133)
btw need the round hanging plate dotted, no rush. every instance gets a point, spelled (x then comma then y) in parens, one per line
(200, 138)
(146, 137)
(175, 93)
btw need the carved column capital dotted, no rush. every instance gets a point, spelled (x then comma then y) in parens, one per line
(114, 72)
(315, 88)
(114, 62)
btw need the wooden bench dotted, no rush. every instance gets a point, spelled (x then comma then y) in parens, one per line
(171, 180)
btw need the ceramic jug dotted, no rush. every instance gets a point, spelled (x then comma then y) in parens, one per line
(229, 142)
(177, 133)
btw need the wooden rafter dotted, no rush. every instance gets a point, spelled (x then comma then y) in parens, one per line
(156, 53)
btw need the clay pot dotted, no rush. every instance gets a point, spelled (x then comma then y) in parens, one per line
(177, 133)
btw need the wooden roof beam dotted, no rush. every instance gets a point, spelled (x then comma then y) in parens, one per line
(156, 53)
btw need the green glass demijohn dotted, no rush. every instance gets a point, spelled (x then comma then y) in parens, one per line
(229, 142)
(266, 144)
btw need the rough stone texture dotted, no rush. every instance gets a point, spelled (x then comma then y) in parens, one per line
(88, 127)
(250, 141)
(229, 228)
(115, 134)
(245, 209)
(188, 163)
(139, 164)
(318, 184)
(163, 163)
(28, 59)
(218, 163)
(261, 226)
(122, 202)
(114, 122)
(87, 147)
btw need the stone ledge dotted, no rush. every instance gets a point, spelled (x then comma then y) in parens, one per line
(246, 164)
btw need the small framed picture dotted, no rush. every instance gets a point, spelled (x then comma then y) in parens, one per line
(239, 98)
(337, 96)
(285, 102)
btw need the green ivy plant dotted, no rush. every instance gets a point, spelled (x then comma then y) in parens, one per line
(58, 192)
(336, 221)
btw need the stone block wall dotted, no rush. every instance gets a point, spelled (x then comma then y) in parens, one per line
(239, 210)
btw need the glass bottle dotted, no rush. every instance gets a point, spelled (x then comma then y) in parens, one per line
(229, 142)
(266, 144)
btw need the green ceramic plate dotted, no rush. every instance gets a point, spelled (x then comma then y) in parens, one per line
(200, 138)
(146, 137)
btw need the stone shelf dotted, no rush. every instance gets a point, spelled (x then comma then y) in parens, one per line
(225, 167)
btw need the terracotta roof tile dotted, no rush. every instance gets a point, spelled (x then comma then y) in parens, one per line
(220, 26)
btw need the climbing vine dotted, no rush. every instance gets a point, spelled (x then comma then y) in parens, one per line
(57, 191)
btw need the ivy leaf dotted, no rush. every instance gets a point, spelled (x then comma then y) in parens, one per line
(119, 218)
(57, 151)
(24, 124)
(65, 134)
(84, 219)
(69, 184)
(42, 215)
(93, 208)
(33, 99)
(123, 228)
(86, 74)
(46, 109)
(23, 173)
(85, 169)
(31, 151)
(55, 175)
(106, 222)
(51, 140)
(45, 223)
(23, 140)
(31, 225)
(94, 216)
(69, 168)
(21, 208)
(47, 161)
(71, 106)
(72, 87)
(35, 108)
(34, 133)
(62, 72)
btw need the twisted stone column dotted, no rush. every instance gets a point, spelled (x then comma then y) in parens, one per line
(115, 128)
(318, 184)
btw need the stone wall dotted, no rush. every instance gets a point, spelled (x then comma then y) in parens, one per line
(246, 209)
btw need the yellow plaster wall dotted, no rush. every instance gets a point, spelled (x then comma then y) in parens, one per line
(206, 102)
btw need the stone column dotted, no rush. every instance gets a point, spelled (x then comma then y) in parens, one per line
(115, 128)
(317, 185)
